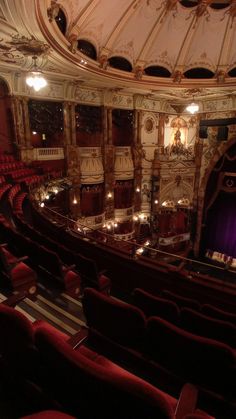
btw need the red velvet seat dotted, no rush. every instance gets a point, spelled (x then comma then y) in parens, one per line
(19, 275)
(180, 300)
(215, 312)
(49, 414)
(91, 386)
(91, 277)
(202, 361)
(121, 322)
(156, 306)
(210, 327)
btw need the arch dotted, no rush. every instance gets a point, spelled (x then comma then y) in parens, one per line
(199, 73)
(202, 189)
(120, 63)
(5, 88)
(157, 71)
(61, 21)
(87, 48)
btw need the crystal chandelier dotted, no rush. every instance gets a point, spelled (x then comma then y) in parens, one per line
(35, 78)
(192, 108)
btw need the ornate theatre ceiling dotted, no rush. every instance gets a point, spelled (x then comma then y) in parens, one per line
(169, 49)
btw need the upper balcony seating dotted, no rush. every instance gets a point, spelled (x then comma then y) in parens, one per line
(18, 275)
(202, 325)
(89, 386)
(65, 275)
(210, 310)
(180, 300)
(121, 322)
(161, 349)
(156, 306)
(87, 268)
(186, 318)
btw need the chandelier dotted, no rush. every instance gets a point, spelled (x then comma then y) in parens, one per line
(35, 78)
(192, 108)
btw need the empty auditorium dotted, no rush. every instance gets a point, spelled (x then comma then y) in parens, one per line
(118, 209)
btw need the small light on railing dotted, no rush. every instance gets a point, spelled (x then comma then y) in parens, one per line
(141, 216)
(34, 132)
(140, 251)
(115, 225)
(56, 191)
(109, 227)
(42, 204)
(109, 195)
(75, 201)
(137, 189)
(135, 218)
(47, 196)
(147, 243)
(156, 201)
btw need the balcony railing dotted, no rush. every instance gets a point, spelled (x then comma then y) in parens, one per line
(55, 153)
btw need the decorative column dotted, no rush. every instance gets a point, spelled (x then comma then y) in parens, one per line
(108, 163)
(72, 157)
(22, 128)
(161, 129)
(138, 154)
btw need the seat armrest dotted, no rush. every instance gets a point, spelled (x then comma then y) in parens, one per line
(68, 268)
(22, 258)
(187, 401)
(80, 337)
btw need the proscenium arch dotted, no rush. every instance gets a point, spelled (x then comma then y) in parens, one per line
(202, 190)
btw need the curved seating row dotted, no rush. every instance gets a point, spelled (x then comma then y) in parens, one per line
(85, 267)
(81, 382)
(159, 348)
(42, 260)
(203, 322)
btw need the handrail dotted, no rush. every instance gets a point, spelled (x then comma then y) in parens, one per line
(136, 245)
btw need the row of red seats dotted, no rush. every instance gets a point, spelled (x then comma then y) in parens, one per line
(164, 353)
(6, 167)
(80, 382)
(12, 194)
(18, 203)
(85, 267)
(6, 158)
(185, 316)
(43, 260)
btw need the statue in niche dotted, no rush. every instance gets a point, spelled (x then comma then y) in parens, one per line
(145, 193)
(177, 146)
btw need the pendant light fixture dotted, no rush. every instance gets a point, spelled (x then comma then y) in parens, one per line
(35, 78)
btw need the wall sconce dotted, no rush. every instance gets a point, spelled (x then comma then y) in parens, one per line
(75, 200)
(156, 201)
(109, 195)
(137, 189)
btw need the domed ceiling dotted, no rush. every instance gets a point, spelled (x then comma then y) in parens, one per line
(172, 49)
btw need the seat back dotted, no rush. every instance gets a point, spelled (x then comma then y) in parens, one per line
(156, 306)
(203, 325)
(217, 313)
(196, 359)
(180, 300)
(85, 387)
(121, 322)
(17, 339)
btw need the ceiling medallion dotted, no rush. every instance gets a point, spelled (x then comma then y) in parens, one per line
(29, 46)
